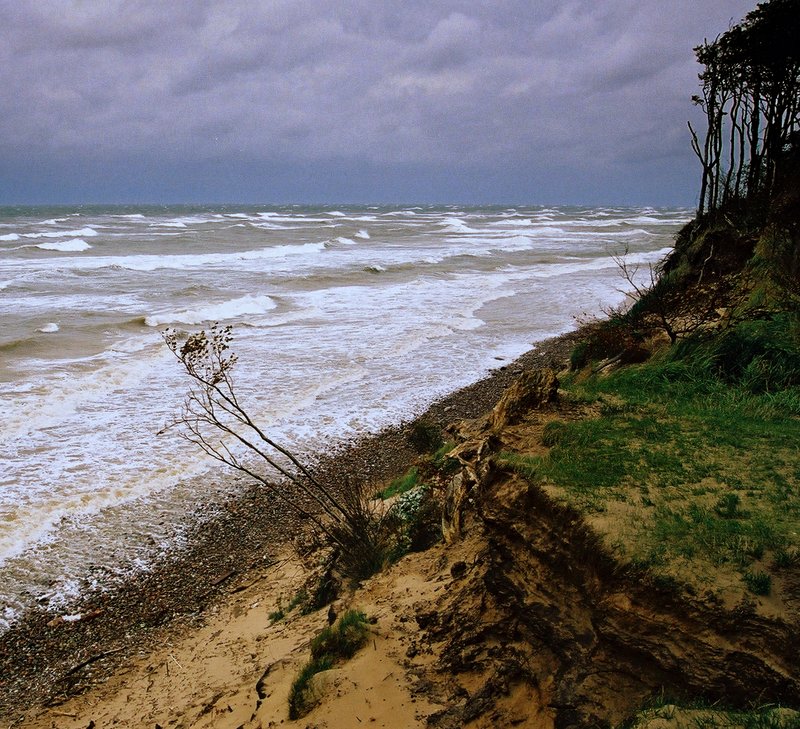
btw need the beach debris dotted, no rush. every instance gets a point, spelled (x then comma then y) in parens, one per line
(92, 659)
(223, 577)
(76, 618)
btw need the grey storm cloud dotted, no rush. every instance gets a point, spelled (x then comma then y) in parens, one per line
(442, 85)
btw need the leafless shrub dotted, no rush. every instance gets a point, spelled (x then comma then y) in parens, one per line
(214, 419)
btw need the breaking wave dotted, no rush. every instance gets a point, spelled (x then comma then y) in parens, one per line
(244, 306)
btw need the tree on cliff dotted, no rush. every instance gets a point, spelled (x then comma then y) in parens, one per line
(214, 419)
(751, 100)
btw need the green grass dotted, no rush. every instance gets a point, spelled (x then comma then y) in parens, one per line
(400, 485)
(300, 598)
(276, 616)
(301, 699)
(343, 639)
(704, 458)
(331, 646)
(759, 583)
(441, 460)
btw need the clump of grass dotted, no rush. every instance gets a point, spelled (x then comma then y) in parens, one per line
(334, 644)
(300, 597)
(343, 639)
(301, 699)
(276, 616)
(553, 432)
(727, 506)
(401, 485)
(784, 558)
(442, 461)
(759, 583)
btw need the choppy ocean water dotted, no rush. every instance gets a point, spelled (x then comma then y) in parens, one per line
(346, 320)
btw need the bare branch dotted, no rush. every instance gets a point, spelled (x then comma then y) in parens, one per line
(214, 420)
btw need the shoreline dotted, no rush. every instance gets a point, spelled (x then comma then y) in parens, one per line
(40, 655)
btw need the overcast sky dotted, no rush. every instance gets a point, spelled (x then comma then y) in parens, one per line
(272, 101)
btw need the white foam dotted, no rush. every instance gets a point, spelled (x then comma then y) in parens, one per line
(9, 236)
(456, 225)
(271, 226)
(48, 328)
(83, 233)
(244, 306)
(66, 246)
(337, 214)
(363, 234)
(188, 262)
(181, 222)
(53, 221)
(346, 241)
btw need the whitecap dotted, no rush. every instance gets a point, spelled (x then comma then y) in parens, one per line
(363, 234)
(65, 246)
(83, 233)
(243, 306)
(337, 214)
(48, 328)
(9, 236)
(456, 225)
(346, 241)
(172, 224)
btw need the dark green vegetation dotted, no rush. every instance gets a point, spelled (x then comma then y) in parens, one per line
(750, 89)
(401, 485)
(333, 645)
(300, 598)
(415, 512)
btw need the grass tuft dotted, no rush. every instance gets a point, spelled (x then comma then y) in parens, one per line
(334, 644)
(343, 639)
(406, 482)
(301, 698)
(759, 583)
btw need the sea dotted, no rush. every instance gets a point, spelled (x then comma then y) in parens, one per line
(345, 320)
